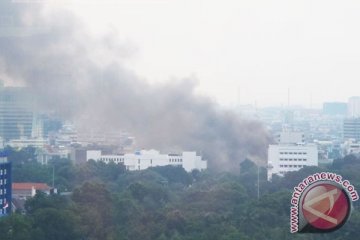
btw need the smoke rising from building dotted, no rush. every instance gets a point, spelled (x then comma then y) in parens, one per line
(83, 78)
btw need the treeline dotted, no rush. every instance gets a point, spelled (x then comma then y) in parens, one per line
(163, 203)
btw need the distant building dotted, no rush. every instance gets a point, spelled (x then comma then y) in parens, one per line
(28, 190)
(335, 108)
(5, 185)
(354, 107)
(351, 129)
(290, 157)
(17, 118)
(290, 137)
(351, 147)
(144, 159)
(28, 142)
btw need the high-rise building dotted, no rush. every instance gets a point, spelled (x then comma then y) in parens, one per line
(17, 118)
(351, 129)
(335, 108)
(354, 107)
(5, 185)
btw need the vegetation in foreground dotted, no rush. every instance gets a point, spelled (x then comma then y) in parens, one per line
(162, 203)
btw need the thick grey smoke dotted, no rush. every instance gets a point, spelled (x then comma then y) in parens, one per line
(82, 78)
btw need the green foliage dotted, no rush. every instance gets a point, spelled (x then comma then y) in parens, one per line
(160, 203)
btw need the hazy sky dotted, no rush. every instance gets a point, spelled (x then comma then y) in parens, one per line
(239, 51)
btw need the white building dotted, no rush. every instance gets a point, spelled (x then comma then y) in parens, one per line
(150, 158)
(290, 157)
(28, 142)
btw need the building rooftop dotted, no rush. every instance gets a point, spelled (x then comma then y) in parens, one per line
(29, 186)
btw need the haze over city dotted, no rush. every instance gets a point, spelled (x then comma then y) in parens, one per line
(179, 119)
(243, 52)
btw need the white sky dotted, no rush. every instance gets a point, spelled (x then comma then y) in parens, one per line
(250, 50)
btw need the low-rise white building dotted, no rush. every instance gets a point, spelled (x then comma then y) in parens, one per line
(290, 157)
(144, 159)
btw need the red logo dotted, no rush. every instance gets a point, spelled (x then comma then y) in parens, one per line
(325, 207)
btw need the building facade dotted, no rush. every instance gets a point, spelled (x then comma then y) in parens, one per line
(335, 108)
(5, 186)
(17, 119)
(354, 107)
(144, 159)
(351, 129)
(290, 157)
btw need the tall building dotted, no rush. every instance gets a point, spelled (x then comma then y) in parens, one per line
(351, 129)
(144, 159)
(354, 107)
(17, 118)
(5, 185)
(335, 108)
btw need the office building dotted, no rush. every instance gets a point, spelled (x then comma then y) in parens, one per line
(17, 118)
(335, 108)
(285, 158)
(351, 129)
(5, 185)
(354, 107)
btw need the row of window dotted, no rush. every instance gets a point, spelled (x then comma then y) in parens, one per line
(112, 159)
(296, 166)
(293, 159)
(175, 160)
(293, 153)
(3, 181)
(3, 172)
(2, 191)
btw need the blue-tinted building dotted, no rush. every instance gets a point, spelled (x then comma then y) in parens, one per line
(5, 185)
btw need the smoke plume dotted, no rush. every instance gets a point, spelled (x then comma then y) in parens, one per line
(83, 78)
